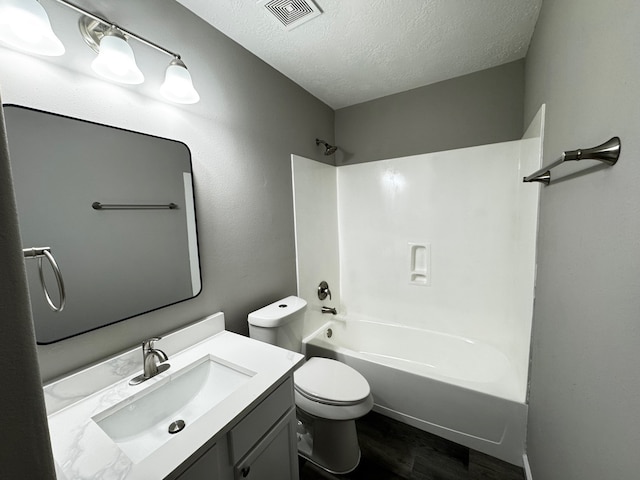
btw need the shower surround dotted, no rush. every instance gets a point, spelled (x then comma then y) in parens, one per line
(442, 243)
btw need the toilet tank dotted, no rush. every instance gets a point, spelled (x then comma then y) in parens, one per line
(279, 323)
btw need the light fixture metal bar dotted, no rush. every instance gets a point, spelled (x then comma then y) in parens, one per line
(123, 30)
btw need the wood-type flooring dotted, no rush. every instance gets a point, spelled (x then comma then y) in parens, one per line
(392, 450)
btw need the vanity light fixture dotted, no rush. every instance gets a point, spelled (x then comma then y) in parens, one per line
(24, 25)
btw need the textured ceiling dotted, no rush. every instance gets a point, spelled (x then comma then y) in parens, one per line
(358, 50)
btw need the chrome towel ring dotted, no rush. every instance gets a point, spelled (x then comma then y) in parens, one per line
(39, 253)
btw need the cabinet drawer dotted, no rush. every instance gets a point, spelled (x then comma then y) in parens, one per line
(253, 427)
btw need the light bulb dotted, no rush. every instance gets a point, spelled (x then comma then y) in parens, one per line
(116, 61)
(178, 86)
(24, 25)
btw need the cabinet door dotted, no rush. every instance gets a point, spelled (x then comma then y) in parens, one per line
(257, 423)
(204, 468)
(275, 456)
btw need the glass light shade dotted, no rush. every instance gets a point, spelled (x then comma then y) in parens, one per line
(116, 60)
(178, 86)
(24, 25)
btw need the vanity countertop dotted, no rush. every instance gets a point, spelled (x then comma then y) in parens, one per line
(82, 450)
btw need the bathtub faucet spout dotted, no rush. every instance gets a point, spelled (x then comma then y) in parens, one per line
(330, 310)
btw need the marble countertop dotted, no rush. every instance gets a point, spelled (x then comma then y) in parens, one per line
(82, 450)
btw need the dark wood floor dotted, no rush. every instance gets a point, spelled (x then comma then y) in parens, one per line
(394, 451)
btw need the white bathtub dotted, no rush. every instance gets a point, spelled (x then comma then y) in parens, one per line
(459, 389)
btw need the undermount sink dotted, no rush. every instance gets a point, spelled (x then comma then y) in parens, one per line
(142, 423)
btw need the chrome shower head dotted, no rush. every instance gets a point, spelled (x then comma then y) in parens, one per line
(328, 149)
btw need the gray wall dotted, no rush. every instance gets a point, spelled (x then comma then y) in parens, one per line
(241, 135)
(250, 119)
(584, 420)
(475, 109)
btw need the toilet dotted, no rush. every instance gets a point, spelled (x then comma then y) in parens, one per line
(329, 395)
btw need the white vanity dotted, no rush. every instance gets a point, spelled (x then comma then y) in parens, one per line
(234, 395)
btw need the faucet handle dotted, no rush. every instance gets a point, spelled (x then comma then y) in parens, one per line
(148, 344)
(323, 290)
(148, 348)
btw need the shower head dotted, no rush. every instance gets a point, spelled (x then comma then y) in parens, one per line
(328, 149)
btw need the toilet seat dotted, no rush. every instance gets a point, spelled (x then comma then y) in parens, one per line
(330, 382)
(331, 389)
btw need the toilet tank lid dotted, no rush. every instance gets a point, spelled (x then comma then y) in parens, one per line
(277, 313)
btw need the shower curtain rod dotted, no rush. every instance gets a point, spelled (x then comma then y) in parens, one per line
(607, 153)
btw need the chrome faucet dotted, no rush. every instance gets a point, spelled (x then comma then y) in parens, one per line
(152, 359)
(330, 310)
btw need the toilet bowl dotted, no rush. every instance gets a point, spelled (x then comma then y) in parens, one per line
(329, 395)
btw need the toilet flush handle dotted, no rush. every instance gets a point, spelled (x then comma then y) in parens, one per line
(323, 290)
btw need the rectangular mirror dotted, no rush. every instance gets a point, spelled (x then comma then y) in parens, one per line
(134, 255)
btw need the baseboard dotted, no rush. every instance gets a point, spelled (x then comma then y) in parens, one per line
(527, 468)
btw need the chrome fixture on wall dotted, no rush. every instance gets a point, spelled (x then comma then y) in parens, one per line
(323, 290)
(26, 26)
(39, 252)
(328, 149)
(607, 153)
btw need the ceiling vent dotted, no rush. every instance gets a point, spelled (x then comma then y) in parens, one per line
(291, 13)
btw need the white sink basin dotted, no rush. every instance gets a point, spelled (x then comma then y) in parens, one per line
(140, 424)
